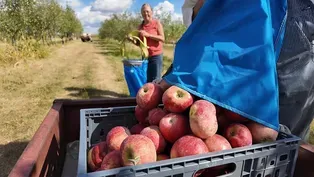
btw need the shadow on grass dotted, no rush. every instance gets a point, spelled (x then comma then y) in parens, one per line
(91, 92)
(9, 154)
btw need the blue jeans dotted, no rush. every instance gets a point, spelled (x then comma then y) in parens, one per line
(154, 67)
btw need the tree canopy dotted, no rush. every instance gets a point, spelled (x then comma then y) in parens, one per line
(36, 19)
(120, 25)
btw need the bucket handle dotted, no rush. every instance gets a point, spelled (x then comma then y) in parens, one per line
(142, 44)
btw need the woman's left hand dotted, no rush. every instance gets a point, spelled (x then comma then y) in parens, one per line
(144, 33)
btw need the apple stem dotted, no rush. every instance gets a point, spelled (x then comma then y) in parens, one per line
(134, 161)
(180, 94)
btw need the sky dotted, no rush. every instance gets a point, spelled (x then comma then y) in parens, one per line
(92, 12)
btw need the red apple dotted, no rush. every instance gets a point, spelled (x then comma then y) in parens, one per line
(96, 155)
(173, 126)
(154, 134)
(234, 117)
(137, 149)
(217, 143)
(90, 160)
(162, 157)
(111, 160)
(176, 100)
(261, 133)
(116, 136)
(238, 135)
(155, 115)
(198, 173)
(137, 128)
(188, 145)
(141, 115)
(203, 121)
(149, 96)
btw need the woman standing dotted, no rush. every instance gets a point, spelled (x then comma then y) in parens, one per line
(152, 29)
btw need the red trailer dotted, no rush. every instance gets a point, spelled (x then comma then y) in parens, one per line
(46, 153)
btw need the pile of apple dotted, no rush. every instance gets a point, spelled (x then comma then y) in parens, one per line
(185, 126)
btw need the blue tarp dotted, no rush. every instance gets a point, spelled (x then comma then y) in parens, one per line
(135, 74)
(228, 56)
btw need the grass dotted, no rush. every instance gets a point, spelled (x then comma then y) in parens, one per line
(27, 90)
(111, 49)
(311, 137)
(87, 78)
(116, 63)
(22, 111)
(24, 50)
(166, 63)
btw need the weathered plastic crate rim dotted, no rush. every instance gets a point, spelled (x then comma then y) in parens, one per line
(215, 158)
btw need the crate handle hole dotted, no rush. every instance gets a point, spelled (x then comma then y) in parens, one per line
(259, 175)
(102, 132)
(268, 175)
(277, 173)
(263, 161)
(272, 162)
(283, 157)
(221, 170)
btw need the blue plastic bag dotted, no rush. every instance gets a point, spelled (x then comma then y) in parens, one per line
(135, 74)
(228, 56)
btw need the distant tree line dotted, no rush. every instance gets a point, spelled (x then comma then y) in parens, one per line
(40, 20)
(120, 25)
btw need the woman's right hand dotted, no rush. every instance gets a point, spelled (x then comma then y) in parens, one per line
(132, 40)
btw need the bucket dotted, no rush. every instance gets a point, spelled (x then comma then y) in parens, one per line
(135, 74)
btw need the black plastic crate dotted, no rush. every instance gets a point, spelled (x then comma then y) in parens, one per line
(274, 159)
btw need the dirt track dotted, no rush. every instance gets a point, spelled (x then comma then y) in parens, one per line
(76, 70)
